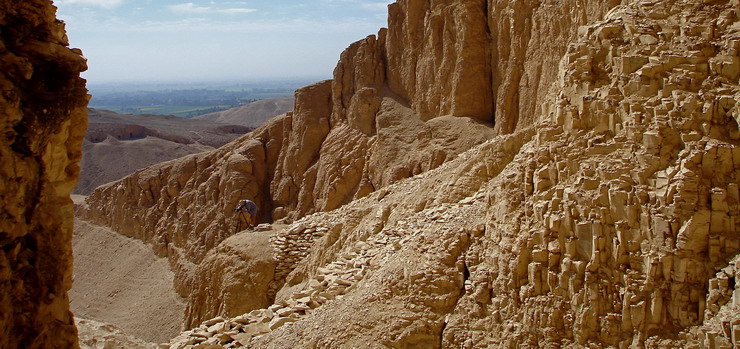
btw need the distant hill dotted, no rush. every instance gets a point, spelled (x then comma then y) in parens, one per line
(117, 145)
(252, 114)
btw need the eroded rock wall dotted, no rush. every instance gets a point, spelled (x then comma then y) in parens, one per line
(611, 222)
(42, 124)
(439, 57)
(346, 138)
(447, 76)
(480, 61)
(487, 59)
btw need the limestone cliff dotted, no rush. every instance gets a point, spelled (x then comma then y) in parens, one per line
(345, 138)
(419, 92)
(612, 221)
(390, 111)
(573, 182)
(42, 123)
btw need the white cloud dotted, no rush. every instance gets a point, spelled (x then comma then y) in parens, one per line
(191, 8)
(366, 4)
(237, 10)
(98, 3)
(377, 6)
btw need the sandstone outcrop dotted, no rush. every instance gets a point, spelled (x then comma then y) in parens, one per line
(42, 123)
(612, 221)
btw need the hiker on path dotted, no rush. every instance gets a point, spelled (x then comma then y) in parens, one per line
(249, 208)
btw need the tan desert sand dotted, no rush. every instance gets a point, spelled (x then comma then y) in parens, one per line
(119, 280)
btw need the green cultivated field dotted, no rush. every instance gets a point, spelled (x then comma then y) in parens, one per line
(183, 111)
(186, 99)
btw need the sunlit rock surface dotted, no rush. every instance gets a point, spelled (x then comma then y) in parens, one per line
(43, 119)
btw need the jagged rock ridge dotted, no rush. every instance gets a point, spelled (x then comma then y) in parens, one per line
(42, 123)
(612, 225)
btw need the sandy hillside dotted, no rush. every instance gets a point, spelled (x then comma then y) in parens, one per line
(113, 159)
(104, 123)
(119, 280)
(253, 114)
(116, 145)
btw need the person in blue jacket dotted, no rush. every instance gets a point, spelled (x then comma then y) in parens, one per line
(249, 208)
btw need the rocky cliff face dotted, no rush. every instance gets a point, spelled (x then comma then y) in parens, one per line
(390, 109)
(43, 121)
(491, 60)
(571, 184)
(610, 222)
(345, 138)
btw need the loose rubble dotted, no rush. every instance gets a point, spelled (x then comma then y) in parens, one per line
(290, 247)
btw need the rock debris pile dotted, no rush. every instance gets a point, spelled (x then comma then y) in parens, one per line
(290, 247)
(331, 282)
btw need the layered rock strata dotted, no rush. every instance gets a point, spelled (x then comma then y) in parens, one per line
(42, 123)
(611, 222)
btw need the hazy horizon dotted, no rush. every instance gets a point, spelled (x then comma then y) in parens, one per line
(199, 83)
(171, 41)
(206, 81)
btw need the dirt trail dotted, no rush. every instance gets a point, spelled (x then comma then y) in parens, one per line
(119, 280)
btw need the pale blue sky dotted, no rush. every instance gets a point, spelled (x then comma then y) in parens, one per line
(193, 40)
